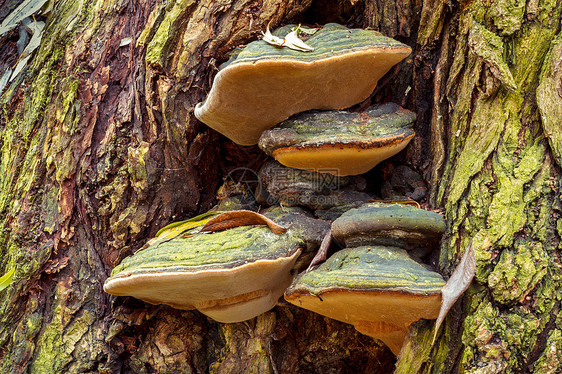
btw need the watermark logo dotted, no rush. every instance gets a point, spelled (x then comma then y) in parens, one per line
(245, 177)
(316, 186)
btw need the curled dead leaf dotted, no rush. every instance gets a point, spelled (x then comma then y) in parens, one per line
(456, 285)
(322, 251)
(238, 218)
(269, 38)
(174, 229)
(292, 41)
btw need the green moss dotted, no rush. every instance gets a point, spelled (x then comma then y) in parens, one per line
(507, 15)
(540, 215)
(370, 268)
(507, 210)
(490, 48)
(70, 107)
(419, 354)
(150, 28)
(460, 116)
(21, 142)
(253, 349)
(136, 162)
(530, 49)
(218, 250)
(478, 330)
(157, 49)
(26, 264)
(492, 337)
(41, 120)
(545, 10)
(518, 272)
(510, 198)
(489, 121)
(548, 99)
(549, 293)
(129, 221)
(499, 186)
(432, 21)
(113, 193)
(50, 211)
(551, 359)
(56, 344)
(23, 343)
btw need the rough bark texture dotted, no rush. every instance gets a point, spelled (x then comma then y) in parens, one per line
(496, 159)
(100, 149)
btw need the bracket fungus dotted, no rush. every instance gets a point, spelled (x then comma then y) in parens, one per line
(376, 285)
(230, 275)
(339, 142)
(380, 290)
(263, 85)
(397, 225)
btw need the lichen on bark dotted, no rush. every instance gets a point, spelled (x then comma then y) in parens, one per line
(499, 187)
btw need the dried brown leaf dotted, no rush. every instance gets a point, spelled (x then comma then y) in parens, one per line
(236, 218)
(322, 251)
(456, 285)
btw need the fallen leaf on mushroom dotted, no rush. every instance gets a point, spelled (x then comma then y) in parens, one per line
(291, 40)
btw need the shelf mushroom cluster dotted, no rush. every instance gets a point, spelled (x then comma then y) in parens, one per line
(212, 275)
(235, 265)
(263, 85)
(373, 283)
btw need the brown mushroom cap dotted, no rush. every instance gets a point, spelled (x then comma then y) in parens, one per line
(226, 295)
(338, 142)
(231, 275)
(263, 84)
(380, 290)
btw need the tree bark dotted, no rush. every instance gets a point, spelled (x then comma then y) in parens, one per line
(100, 149)
(496, 159)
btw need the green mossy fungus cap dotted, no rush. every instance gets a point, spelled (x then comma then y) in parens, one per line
(380, 290)
(341, 142)
(399, 225)
(230, 275)
(263, 84)
(376, 269)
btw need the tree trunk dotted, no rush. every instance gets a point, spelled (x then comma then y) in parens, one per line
(496, 158)
(100, 149)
